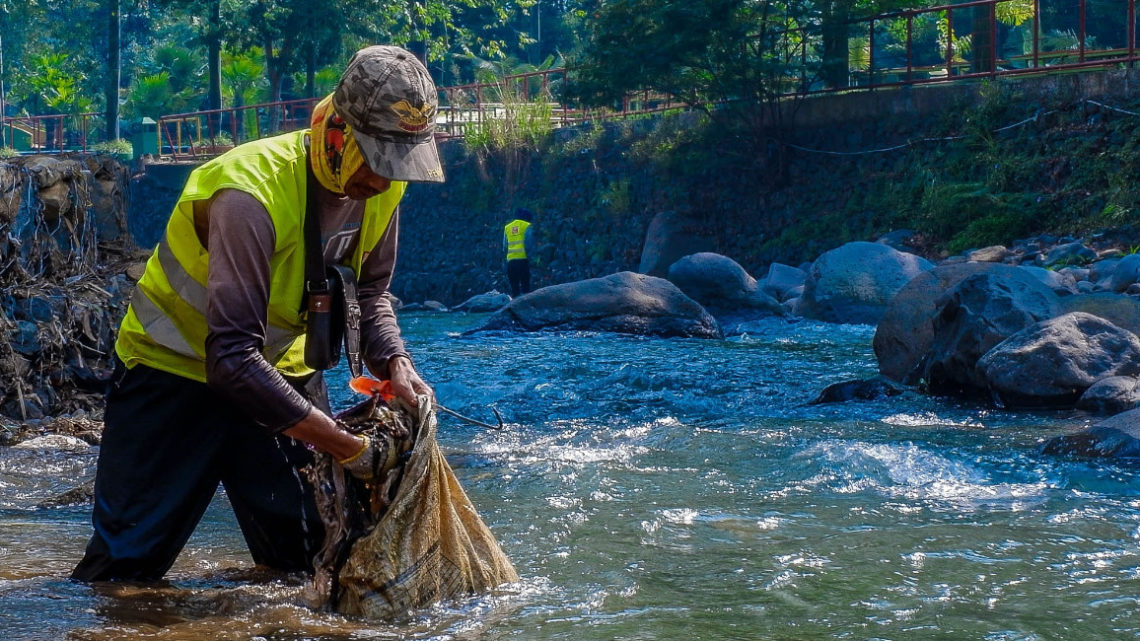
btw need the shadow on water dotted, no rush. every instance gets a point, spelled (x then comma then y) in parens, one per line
(664, 489)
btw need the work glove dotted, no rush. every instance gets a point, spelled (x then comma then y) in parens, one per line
(378, 455)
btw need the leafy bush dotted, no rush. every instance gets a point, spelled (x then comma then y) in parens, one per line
(521, 125)
(221, 138)
(119, 148)
(8, 152)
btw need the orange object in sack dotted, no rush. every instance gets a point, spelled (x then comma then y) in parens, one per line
(369, 386)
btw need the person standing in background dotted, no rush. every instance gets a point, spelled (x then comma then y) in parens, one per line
(516, 242)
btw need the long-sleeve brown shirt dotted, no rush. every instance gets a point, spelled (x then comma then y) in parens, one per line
(241, 238)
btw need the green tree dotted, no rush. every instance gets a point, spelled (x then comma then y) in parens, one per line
(244, 79)
(52, 84)
(298, 35)
(171, 84)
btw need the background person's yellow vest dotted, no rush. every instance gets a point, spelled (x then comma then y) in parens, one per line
(515, 232)
(165, 325)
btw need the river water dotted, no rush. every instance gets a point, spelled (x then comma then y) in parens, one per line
(668, 489)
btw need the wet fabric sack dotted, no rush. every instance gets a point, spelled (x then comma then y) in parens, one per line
(408, 539)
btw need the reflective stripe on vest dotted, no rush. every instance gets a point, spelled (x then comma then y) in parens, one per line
(165, 326)
(515, 232)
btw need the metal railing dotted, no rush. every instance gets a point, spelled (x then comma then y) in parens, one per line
(970, 41)
(461, 108)
(210, 132)
(53, 133)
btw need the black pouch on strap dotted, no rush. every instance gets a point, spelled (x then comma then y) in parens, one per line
(333, 318)
(322, 331)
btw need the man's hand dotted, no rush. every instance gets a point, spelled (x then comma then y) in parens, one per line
(376, 455)
(406, 382)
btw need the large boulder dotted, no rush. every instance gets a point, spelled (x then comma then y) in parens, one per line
(1053, 362)
(1126, 272)
(1117, 437)
(1111, 395)
(783, 281)
(625, 302)
(975, 315)
(854, 283)
(906, 331)
(722, 286)
(1122, 311)
(672, 236)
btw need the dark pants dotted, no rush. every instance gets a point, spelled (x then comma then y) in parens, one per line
(167, 443)
(518, 275)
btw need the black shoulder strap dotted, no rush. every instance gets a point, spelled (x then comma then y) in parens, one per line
(315, 280)
(351, 315)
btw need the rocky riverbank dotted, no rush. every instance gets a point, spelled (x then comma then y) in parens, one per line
(66, 270)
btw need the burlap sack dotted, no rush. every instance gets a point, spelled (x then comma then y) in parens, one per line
(429, 544)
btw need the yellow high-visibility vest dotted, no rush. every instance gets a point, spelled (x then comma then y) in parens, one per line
(165, 325)
(515, 232)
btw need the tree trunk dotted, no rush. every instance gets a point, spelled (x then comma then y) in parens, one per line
(273, 74)
(982, 42)
(114, 70)
(214, 64)
(311, 71)
(836, 50)
(3, 98)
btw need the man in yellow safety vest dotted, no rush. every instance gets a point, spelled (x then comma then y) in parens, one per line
(210, 384)
(516, 241)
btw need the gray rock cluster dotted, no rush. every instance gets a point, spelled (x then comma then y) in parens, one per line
(1021, 335)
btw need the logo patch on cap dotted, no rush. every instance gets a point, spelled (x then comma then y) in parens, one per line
(412, 119)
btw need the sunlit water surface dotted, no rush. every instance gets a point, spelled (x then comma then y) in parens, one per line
(668, 489)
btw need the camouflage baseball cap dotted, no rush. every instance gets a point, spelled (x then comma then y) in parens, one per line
(388, 98)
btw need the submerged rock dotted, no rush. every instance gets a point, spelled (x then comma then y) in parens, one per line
(488, 302)
(1117, 437)
(625, 302)
(871, 389)
(76, 496)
